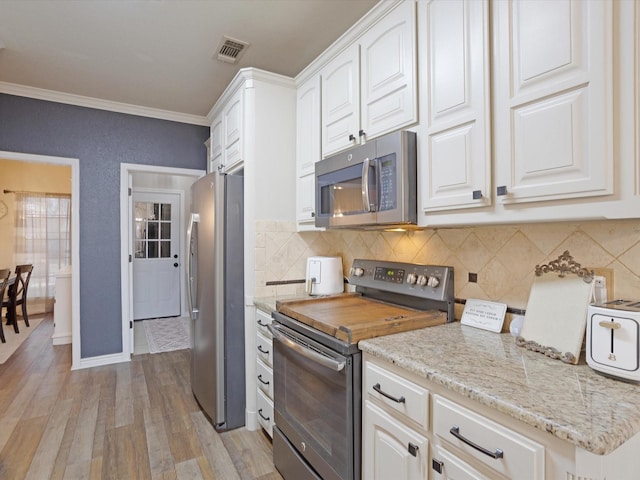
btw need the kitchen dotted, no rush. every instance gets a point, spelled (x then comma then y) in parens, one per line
(494, 253)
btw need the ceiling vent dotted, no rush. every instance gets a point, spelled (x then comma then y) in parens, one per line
(230, 50)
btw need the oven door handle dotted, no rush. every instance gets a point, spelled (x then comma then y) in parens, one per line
(306, 352)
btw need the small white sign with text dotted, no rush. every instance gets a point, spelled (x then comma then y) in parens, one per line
(484, 314)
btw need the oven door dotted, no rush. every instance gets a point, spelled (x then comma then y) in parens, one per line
(314, 396)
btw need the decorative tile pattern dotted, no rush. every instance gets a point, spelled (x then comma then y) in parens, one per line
(503, 256)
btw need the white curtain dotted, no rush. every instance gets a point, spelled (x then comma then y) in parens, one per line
(43, 239)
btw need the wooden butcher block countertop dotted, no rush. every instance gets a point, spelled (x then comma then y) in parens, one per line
(352, 317)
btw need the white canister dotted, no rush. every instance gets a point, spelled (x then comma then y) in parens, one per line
(324, 276)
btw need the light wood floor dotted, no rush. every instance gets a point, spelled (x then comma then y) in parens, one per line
(135, 420)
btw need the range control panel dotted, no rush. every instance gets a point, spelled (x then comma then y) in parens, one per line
(434, 282)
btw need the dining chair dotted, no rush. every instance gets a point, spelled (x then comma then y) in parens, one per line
(18, 296)
(5, 273)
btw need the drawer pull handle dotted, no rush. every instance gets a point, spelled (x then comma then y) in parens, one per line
(455, 431)
(262, 324)
(266, 419)
(378, 389)
(264, 382)
(260, 349)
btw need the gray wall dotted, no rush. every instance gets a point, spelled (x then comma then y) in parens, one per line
(102, 141)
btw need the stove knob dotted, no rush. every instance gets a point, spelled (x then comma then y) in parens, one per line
(433, 282)
(422, 280)
(358, 271)
(412, 278)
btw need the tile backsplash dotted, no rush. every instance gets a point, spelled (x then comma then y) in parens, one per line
(504, 256)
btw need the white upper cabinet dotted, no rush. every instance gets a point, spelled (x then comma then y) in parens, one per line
(307, 150)
(232, 116)
(456, 134)
(215, 156)
(341, 101)
(370, 88)
(308, 126)
(553, 95)
(388, 72)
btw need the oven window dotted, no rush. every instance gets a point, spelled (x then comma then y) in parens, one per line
(315, 401)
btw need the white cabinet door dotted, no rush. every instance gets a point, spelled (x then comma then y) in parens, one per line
(341, 101)
(447, 466)
(232, 140)
(553, 99)
(388, 73)
(306, 201)
(308, 126)
(215, 158)
(390, 449)
(370, 88)
(456, 153)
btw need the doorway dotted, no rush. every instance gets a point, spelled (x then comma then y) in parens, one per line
(154, 187)
(157, 254)
(74, 163)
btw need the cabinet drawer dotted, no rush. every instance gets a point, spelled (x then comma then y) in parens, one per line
(264, 349)
(516, 456)
(397, 393)
(265, 412)
(262, 320)
(264, 378)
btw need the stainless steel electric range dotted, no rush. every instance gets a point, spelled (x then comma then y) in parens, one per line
(317, 364)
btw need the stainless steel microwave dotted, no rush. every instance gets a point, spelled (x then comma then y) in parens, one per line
(369, 186)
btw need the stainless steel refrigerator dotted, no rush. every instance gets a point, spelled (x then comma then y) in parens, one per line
(215, 294)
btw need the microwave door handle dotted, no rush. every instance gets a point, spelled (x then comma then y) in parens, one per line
(366, 201)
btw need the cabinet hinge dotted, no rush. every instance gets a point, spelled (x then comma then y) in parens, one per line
(130, 258)
(129, 191)
(130, 324)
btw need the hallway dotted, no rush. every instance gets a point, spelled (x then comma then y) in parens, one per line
(135, 420)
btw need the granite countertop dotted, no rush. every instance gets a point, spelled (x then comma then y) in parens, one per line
(572, 402)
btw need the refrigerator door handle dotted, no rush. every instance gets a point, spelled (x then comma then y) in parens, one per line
(193, 219)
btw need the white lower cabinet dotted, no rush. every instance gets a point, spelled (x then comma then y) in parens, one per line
(447, 466)
(414, 428)
(392, 449)
(264, 372)
(488, 443)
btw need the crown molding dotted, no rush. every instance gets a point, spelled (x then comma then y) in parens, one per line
(90, 102)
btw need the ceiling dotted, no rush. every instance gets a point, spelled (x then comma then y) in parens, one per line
(161, 54)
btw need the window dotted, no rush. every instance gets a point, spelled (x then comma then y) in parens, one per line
(43, 238)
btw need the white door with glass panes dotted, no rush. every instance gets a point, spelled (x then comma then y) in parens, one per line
(156, 257)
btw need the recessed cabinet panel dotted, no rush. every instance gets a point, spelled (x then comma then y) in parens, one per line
(448, 39)
(306, 198)
(553, 90)
(340, 101)
(544, 42)
(451, 164)
(390, 449)
(388, 57)
(233, 131)
(308, 127)
(455, 57)
(216, 140)
(546, 142)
